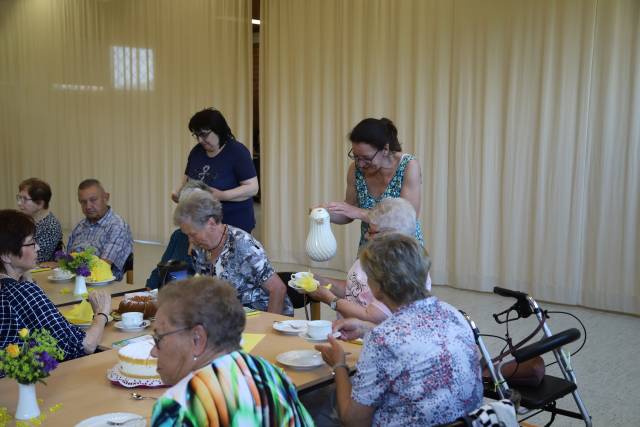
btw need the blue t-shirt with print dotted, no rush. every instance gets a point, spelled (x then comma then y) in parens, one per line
(225, 171)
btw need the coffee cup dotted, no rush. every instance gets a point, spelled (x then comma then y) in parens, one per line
(297, 276)
(319, 329)
(132, 319)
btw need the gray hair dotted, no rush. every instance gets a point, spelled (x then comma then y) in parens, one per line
(398, 265)
(394, 214)
(207, 301)
(190, 186)
(197, 208)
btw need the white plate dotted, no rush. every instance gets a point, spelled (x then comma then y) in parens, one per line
(306, 337)
(301, 359)
(102, 420)
(101, 283)
(120, 325)
(290, 327)
(60, 279)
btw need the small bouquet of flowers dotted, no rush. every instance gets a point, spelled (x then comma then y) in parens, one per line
(32, 360)
(78, 263)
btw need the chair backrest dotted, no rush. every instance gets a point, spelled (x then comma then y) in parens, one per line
(297, 299)
(128, 268)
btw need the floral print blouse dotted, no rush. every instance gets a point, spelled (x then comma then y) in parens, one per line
(419, 367)
(245, 265)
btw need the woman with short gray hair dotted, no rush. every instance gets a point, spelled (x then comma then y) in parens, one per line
(230, 253)
(352, 297)
(197, 335)
(434, 376)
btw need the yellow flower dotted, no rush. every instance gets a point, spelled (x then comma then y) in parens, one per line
(24, 332)
(13, 350)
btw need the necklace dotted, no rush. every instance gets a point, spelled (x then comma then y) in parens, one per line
(210, 251)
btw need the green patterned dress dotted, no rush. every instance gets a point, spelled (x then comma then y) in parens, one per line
(236, 389)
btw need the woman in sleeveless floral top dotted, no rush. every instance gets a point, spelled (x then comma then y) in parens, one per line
(379, 170)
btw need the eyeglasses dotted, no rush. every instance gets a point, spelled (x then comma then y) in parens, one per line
(362, 160)
(158, 337)
(30, 244)
(201, 134)
(22, 199)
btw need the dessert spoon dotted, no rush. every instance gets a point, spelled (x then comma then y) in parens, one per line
(137, 396)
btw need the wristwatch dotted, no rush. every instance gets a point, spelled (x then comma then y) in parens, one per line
(334, 303)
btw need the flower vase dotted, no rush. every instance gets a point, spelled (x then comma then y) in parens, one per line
(81, 285)
(27, 402)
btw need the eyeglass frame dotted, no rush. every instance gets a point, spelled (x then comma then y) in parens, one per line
(201, 134)
(23, 199)
(30, 244)
(158, 337)
(364, 160)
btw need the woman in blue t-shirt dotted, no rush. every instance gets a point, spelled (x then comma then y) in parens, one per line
(225, 165)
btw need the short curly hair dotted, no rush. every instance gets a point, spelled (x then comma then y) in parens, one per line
(398, 265)
(196, 208)
(207, 301)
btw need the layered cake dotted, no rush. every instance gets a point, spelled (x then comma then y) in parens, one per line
(100, 270)
(135, 361)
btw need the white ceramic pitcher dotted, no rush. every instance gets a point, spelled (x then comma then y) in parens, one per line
(321, 244)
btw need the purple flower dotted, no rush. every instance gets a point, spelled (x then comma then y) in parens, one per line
(48, 362)
(83, 270)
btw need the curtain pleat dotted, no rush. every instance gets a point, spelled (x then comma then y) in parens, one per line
(105, 89)
(523, 116)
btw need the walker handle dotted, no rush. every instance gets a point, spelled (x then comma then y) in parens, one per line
(546, 344)
(509, 293)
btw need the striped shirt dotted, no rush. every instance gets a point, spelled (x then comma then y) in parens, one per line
(236, 389)
(110, 236)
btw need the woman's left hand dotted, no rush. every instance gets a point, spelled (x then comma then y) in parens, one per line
(333, 353)
(322, 294)
(218, 194)
(348, 210)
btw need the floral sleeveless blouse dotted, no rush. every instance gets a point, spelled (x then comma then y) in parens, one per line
(367, 201)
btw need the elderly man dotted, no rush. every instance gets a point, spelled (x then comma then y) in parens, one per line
(102, 229)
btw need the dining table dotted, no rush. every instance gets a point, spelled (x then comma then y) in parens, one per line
(61, 292)
(79, 389)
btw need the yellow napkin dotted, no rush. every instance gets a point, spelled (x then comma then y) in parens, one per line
(80, 313)
(249, 341)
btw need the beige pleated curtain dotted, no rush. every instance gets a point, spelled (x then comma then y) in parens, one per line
(105, 89)
(524, 115)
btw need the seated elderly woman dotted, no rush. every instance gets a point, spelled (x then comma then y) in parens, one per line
(352, 297)
(178, 247)
(230, 253)
(23, 304)
(418, 367)
(33, 199)
(197, 335)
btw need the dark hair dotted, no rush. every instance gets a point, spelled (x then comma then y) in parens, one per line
(377, 133)
(207, 301)
(14, 228)
(90, 182)
(38, 190)
(399, 265)
(212, 119)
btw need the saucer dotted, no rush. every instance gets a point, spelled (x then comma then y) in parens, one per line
(143, 325)
(300, 359)
(101, 282)
(307, 337)
(131, 420)
(61, 279)
(290, 327)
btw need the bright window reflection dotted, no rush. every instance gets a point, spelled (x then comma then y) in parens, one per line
(132, 67)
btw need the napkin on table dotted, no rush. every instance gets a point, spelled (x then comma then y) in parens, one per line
(80, 313)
